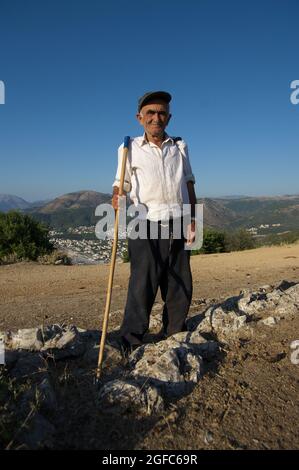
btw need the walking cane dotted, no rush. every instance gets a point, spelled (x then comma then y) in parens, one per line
(112, 263)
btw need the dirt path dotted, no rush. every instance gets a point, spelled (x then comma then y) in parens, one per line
(32, 294)
(248, 401)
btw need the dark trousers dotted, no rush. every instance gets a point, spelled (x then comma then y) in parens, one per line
(157, 263)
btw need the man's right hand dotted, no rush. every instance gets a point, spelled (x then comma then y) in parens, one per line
(115, 200)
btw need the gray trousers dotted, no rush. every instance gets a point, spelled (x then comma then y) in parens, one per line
(157, 263)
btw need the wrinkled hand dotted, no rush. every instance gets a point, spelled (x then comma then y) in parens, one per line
(191, 233)
(116, 201)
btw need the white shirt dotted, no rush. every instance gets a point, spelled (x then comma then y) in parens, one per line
(157, 177)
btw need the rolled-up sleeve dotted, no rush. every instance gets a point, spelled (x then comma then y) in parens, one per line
(127, 180)
(188, 174)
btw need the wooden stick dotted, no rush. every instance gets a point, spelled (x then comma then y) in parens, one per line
(112, 263)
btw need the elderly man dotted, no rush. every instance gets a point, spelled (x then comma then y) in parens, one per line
(159, 176)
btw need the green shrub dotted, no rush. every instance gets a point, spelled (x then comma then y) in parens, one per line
(279, 239)
(239, 240)
(22, 237)
(215, 241)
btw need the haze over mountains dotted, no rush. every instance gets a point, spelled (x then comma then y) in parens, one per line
(77, 208)
(9, 201)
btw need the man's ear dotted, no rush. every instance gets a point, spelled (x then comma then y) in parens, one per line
(169, 116)
(139, 118)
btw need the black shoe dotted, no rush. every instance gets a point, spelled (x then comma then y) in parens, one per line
(126, 348)
(161, 335)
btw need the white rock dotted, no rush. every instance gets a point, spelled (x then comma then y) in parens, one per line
(59, 261)
(155, 322)
(156, 306)
(293, 293)
(171, 366)
(194, 339)
(28, 338)
(200, 322)
(270, 321)
(121, 397)
(63, 342)
(225, 322)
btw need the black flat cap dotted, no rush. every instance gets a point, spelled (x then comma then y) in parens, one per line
(147, 97)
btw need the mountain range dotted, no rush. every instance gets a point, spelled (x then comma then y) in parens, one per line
(9, 202)
(280, 213)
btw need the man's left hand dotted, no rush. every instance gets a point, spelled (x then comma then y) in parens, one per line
(191, 233)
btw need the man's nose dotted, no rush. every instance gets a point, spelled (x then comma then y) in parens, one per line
(156, 116)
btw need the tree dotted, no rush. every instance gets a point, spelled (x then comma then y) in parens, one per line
(239, 240)
(213, 241)
(23, 237)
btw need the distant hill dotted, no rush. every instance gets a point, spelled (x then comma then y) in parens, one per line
(216, 214)
(256, 211)
(41, 203)
(9, 201)
(233, 196)
(71, 210)
(228, 212)
(76, 200)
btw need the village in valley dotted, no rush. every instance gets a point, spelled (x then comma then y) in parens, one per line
(81, 244)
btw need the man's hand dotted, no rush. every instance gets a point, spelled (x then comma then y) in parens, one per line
(116, 201)
(116, 198)
(192, 200)
(191, 233)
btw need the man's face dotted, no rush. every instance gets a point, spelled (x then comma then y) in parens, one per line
(154, 118)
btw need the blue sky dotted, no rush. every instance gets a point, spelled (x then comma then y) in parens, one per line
(73, 71)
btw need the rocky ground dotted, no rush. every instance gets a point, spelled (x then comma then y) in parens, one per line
(230, 382)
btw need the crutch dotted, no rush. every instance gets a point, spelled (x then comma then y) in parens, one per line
(112, 263)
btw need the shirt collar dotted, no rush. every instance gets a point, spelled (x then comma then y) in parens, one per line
(143, 139)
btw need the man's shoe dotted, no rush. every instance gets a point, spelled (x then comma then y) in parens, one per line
(126, 348)
(161, 335)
